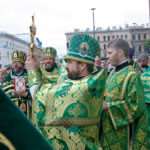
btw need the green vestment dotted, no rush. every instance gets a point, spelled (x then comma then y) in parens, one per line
(21, 102)
(125, 122)
(42, 76)
(50, 77)
(137, 68)
(68, 114)
(146, 83)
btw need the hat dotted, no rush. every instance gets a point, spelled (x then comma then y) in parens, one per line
(83, 48)
(49, 52)
(18, 56)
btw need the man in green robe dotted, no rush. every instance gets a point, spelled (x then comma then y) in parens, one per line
(143, 61)
(17, 79)
(146, 83)
(68, 114)
(49, 72)
(133, 63)
(124, 118)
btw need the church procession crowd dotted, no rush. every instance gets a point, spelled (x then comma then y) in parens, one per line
(79, 104)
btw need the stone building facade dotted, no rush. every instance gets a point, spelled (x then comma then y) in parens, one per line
(10, 43)
(128, 33)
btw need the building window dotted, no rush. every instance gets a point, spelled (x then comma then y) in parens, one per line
(140, 48)
(104, 55)
(8, 55)
(108, 38)
(117, 36)
(0, 55)
(67, 45)
(144, 36)
(113, 37)
(98, 38)
(139, 37)
(122, 36)
(104, 38)
(126, 37)
(134, 37)
(104, 46)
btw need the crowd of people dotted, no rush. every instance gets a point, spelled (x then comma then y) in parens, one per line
(84, 103)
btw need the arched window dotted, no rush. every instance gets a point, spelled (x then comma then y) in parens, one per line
(144, 36)
(140, 48)
(104, 46)
(134, 37)
(104, 38)
(139, 37)
(113, 37)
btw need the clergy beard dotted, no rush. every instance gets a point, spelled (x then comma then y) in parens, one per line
(49, 67)
(73, 75)
(17, 69)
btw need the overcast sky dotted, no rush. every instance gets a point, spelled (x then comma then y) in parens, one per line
(53, 18)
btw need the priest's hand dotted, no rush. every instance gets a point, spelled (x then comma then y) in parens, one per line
(21, 93)
(105, 106)
(31, 63)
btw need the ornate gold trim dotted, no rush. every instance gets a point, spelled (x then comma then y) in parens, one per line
(128, 112)
(4, 140)
(76, 59)
(11, 75)
(6, 87)
(114, 96)
(15, 99)
(34, 119)
(146, 89)
(74, 122)
(10, 91)
(145, 78)
(128, 128)
(53, 76)
(111, 116)
(123, 88)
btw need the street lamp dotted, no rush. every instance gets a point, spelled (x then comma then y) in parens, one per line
(134, 38)
(93, 21)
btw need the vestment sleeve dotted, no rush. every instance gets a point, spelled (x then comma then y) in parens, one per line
(34, 77)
